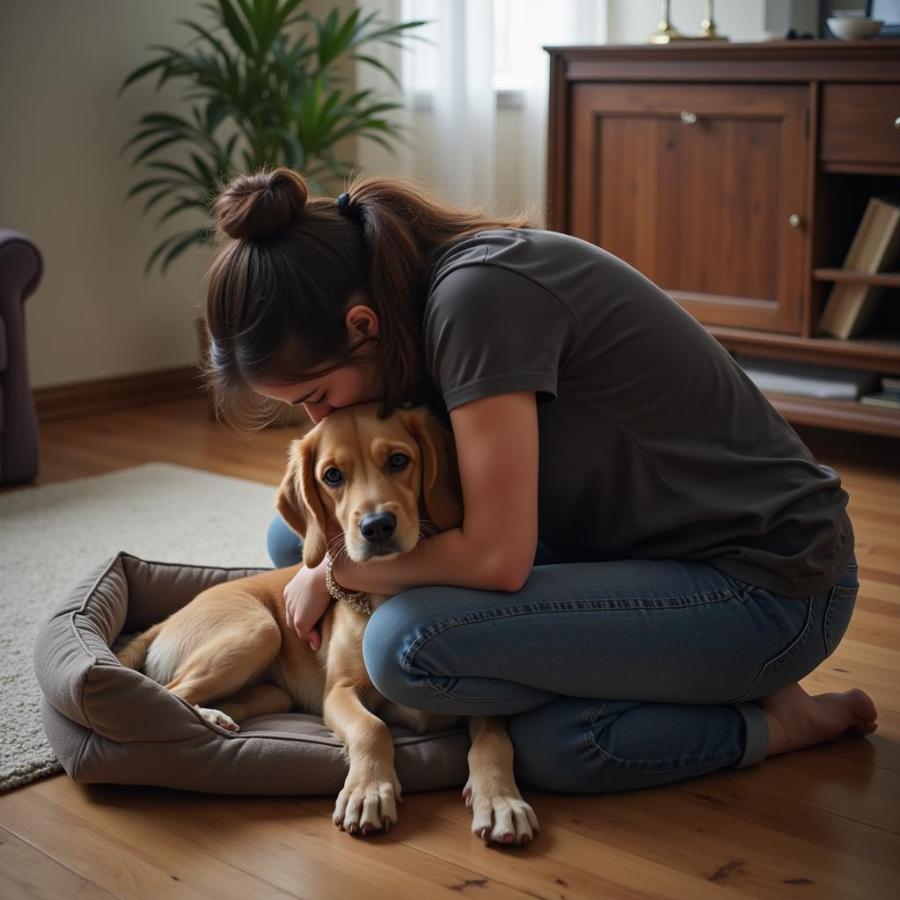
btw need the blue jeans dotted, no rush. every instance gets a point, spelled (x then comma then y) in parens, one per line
(615, 675)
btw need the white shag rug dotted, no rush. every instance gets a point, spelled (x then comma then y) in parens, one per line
(51, 536)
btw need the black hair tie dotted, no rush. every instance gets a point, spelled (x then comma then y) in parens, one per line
(348, 209)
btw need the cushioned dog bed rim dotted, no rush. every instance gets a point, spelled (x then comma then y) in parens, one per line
(107, 723)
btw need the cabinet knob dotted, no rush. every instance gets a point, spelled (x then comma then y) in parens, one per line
(897, 122)
(689, 118)
(795, 221)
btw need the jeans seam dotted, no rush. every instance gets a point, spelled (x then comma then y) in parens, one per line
(453, 696)
(592, 716)
(829, 612)
(833, 599)
(785, 654)
(441, 627)
(643, 765)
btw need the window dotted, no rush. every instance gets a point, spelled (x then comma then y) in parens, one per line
(520, 30)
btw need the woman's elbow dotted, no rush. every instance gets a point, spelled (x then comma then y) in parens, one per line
(508, 577)
(501, 568)
(517, 582)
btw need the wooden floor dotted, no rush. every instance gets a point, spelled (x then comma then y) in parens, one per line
(822, 822)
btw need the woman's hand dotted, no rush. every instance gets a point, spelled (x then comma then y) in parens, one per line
(305, 602)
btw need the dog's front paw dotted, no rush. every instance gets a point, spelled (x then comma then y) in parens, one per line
(368, 802)
(499, 813)
(217, 717)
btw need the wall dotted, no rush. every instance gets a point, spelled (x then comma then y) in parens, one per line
(95, 314)
(630, 21)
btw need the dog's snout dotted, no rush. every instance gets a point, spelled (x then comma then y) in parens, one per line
(377, 527)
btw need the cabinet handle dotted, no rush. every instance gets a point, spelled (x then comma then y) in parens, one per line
(689, 118)
(794, 220)
(897, 122)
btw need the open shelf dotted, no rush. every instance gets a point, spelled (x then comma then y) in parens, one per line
(846, 414)
(880, 353)
(883, 279)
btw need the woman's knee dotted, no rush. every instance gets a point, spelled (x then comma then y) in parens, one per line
(389, 632)
(284, 546)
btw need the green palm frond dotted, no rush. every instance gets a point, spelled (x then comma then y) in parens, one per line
(263, 87)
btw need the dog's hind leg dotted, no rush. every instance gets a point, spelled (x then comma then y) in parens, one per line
(133, 654)
(256, 700)
(225, 663)
(498, 811)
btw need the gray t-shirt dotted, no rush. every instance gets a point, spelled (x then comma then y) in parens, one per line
(654, 444)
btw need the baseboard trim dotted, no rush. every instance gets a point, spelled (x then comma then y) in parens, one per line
(83, 398)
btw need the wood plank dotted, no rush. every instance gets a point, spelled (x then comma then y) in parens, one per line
(27, 872)
(591, 868)
(278, 840)
(126, 863)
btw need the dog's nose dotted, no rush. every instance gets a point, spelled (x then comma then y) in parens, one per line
(377, 527)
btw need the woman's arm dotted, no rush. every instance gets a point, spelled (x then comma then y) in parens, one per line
(497, 451)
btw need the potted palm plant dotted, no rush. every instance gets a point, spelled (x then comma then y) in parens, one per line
(266, 84)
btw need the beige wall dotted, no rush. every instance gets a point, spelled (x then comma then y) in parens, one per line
(630, 21)
(95, 314)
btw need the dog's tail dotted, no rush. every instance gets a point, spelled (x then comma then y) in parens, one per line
(133, 654)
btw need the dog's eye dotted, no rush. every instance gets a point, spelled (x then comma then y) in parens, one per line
(398, 461)
(332, 476)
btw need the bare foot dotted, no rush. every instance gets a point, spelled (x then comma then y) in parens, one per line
(797, 720)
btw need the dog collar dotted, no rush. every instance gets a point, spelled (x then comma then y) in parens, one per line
(358, 600)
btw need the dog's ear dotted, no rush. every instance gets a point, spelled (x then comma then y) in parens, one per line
(441, 491)
(299, 503)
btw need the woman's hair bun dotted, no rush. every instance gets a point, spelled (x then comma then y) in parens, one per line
(261, 204)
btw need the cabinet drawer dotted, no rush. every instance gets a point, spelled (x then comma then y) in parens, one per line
(861, 123)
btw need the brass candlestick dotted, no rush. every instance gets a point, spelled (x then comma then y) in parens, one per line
(708, 30)
(665, 32)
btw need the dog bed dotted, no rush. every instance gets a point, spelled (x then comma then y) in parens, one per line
(109, 724)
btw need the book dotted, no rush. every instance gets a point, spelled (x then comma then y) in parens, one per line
(889, 399)
(807, 381)
(875, 248)
(890, 383)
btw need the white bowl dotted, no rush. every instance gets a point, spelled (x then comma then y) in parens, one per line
(854, 28)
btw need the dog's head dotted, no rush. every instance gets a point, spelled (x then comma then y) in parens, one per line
(370, 482)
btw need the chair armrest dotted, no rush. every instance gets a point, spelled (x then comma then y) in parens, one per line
(21, 266)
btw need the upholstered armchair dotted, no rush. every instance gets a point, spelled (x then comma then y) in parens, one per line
(21, 267)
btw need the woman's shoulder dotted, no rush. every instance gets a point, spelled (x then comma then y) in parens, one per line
(524, 250)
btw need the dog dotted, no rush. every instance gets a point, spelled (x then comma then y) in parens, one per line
(371, 488)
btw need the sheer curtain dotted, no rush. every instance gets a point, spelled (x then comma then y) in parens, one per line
(475, 99)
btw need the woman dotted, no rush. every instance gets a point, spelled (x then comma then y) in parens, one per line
(650, 558)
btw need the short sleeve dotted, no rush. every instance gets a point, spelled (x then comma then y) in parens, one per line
(489, 330)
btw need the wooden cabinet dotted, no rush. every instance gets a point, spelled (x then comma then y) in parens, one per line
(696, 187)
(734, 176)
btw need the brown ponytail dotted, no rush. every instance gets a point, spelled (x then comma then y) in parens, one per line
(287, 265)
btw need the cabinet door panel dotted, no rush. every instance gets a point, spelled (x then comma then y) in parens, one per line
(694, 186)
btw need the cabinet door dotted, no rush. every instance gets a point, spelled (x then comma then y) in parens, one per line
(702, 188)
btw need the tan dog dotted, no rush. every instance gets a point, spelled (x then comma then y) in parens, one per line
(353, 484)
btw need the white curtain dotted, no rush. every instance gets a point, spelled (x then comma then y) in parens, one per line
(475, 102)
